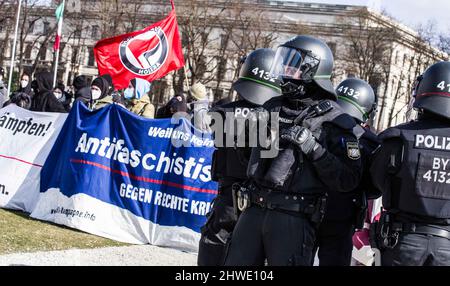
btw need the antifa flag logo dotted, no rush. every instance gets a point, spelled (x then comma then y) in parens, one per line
(146, 53)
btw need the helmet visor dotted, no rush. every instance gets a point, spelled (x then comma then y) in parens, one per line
(293, 64)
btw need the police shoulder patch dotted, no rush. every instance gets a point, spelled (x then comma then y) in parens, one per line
(353, 151)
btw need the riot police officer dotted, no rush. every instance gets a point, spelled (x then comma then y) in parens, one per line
(347, 211)
(254, 88)
(412, 170)
(284, 201)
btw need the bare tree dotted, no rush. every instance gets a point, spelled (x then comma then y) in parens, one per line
(369, 51)
(200, 32)
(29, 19)
(7, 17)
(369, 45)
(215, 37)
(423, 55)
(252, 31)
(444, 43)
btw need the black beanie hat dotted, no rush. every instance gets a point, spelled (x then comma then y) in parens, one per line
(79, 82)
(103, 85)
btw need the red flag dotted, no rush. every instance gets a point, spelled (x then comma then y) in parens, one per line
(149, 54)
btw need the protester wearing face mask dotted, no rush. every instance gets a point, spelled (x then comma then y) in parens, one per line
(25, 85)
(62, 96)
(45, 100)
(138, 98)
(100, 93)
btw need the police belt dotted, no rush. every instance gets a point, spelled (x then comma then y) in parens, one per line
(227, 182)
(421, 229)
(284, 202)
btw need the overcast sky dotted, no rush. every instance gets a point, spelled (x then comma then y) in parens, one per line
(409, 12)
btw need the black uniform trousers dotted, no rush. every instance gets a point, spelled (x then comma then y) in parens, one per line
(418, 250)
(335, 243)
(217, 230)
(284, 239)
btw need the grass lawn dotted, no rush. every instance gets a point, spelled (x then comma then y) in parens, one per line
(19, 233)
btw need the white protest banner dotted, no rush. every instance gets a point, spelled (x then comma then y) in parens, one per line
(26, 139)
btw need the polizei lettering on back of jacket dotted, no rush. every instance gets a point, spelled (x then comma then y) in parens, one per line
(432, 142)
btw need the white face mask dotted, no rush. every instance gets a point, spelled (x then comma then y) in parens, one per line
(96, 94)
(58, 95)
(24, 83)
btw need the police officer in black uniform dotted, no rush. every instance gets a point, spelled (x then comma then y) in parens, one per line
(254, 88)
(347, 211)
(412, 170)
(285, 199)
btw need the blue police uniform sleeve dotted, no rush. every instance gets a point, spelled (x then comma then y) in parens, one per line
(340, 166)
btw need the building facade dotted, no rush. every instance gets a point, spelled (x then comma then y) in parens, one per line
(399, 54)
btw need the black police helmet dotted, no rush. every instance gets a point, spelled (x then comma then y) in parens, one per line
(305, 59)
(433, 90)
(255, 83)
(356, 97)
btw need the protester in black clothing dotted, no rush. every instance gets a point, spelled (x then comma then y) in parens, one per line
(108, 78)
(82, 90)
(175, 104)
(64, 97)
(100, 90)
(20, 99)
(25, 85)
(45, 100)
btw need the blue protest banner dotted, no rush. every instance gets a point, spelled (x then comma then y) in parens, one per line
(117, 175)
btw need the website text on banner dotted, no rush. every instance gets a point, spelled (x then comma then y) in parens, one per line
(114, 174)
(26, 139)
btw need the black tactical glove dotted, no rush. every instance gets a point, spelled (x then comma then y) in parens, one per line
(304, 139)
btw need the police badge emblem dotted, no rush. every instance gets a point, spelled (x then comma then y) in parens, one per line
(353, 151)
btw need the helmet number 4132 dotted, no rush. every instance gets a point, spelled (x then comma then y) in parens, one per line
(263, 74)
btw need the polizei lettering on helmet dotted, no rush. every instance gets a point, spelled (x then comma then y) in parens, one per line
(432, 142)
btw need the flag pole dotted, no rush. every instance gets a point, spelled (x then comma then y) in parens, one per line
(55, 76)
(13, 53)
(186, 80)
(60, 23)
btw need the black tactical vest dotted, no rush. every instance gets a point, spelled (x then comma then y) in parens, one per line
(230, 163)
(420, 181)
(290, 171)
(343, 206)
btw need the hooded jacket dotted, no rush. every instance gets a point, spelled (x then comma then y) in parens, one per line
(66, 99)
(45, 100)
(28, 90)
(141, 104)
(103, 85)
